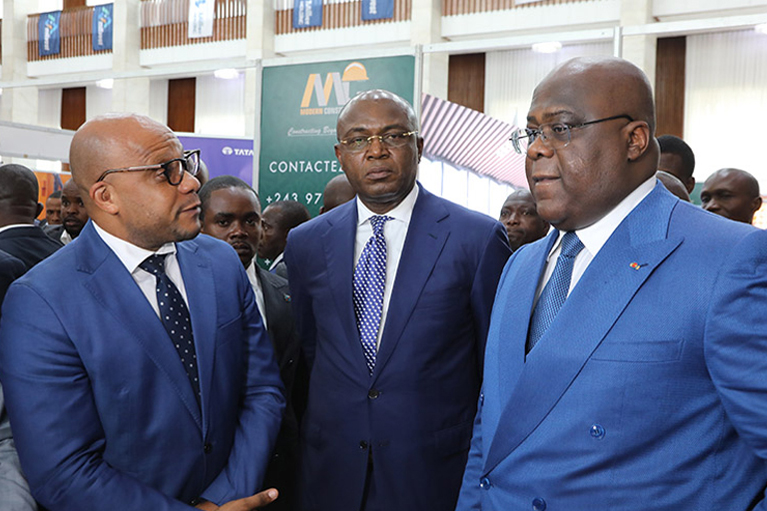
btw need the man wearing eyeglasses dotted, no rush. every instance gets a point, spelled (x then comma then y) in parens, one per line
(392, 294)
(625, 360)
(144, 379)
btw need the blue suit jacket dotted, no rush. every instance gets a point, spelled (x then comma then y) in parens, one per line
(414, 415)
(102, 411)
(648, 391)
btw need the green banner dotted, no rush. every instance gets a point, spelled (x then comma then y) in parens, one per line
(299, 108)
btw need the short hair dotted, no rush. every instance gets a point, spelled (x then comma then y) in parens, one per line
(292, 214)
(18, 184)
(675, 145)
(55, 195)
(220, 183)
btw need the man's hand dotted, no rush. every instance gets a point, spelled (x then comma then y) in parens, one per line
(256, 501)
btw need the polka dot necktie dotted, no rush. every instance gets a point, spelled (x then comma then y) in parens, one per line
(175, 318)
(369, 279)
(554, 294)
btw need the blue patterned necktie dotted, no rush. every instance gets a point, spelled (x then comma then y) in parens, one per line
(369, 279)
(554, 294)
(175, 318)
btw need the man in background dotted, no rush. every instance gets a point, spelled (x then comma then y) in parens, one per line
(19, 236)
(277, 221)
(136, 369)
(733, 194)
(73, 215)
(52, 210)
(520, 217)
(677, 158)
(338, 191)
(230, 211)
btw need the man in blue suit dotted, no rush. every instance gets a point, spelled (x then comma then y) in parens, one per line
(627, 350)
(136, 370)
(392, 295)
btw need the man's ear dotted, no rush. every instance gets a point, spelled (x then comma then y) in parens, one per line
(39, 209)
(419, 144)
(639, 139)
(104, 197)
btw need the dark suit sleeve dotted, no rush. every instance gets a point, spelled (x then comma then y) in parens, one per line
(303, 312)
(41, 372)
(10, 269)
(260, 412)
(494, 256)
(736, 339)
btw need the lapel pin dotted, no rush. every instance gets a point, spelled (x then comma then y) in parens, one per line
(637, 266)
(286, 297)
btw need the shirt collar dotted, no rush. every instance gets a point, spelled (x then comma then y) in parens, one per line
(402, 212)
(596, 235)
(128, 253)
(14, 226)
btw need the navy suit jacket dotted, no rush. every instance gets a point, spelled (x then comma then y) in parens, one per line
(28, 243)
(413, 417)
(648, 391)
(102, 411)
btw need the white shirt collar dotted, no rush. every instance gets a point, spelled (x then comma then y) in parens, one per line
(596, 235)
(128, 253)
(13, 226)
(403, 211)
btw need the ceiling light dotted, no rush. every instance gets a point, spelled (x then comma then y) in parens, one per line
(226, 74)
(548, 47)
(106, 83)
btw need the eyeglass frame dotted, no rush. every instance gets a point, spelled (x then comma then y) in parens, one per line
(157, 166)
(515, 138)
(369, 140)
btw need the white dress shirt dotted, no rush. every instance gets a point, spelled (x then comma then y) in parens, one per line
(595, 236)
(277, 260)
(13, 226)
(256, 283)
(394, 231)
(132, 256)
(65, 238)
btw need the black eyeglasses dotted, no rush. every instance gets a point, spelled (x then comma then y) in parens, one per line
(172, 169)
(554, 136)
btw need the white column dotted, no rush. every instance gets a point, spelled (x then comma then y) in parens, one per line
(639, 49)
(426, 28)
(19, 104)
(131, 94)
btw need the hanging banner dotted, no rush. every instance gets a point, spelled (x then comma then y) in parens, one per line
(223, 156)
(377, 9)
(201, 15)
(299, 108)
(102, 27)
(48, 34)
(307, 13)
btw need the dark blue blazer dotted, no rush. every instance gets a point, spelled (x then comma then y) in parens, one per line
(103, 414)
(413, 417)
(649, 390)
(30, 244)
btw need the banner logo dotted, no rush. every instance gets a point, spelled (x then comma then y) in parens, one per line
(336, 86)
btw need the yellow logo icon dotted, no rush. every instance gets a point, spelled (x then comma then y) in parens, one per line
(334, 82)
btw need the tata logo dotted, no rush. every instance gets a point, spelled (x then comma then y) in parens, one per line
(227, 151)
(336, 86)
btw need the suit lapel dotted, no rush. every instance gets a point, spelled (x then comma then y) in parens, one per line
(338, 244)
(426, 236)
(617, 272)
(200, 295)
(111, 285)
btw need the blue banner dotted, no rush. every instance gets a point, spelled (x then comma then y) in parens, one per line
(49, 36)
(102, 27)
(223, 156)
(307, 13)
(377, 9)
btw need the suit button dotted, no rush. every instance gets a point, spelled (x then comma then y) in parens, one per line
(207, 447)
(484, 483)
(363, 445)
(373, 394)
(290, 362)
(481, 398)
(539, 504)
(597, 431)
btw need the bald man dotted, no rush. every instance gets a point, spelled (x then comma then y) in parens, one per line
(520, 217)
(733, 194)
(144, 378)
(607, 384)
(338, 191)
